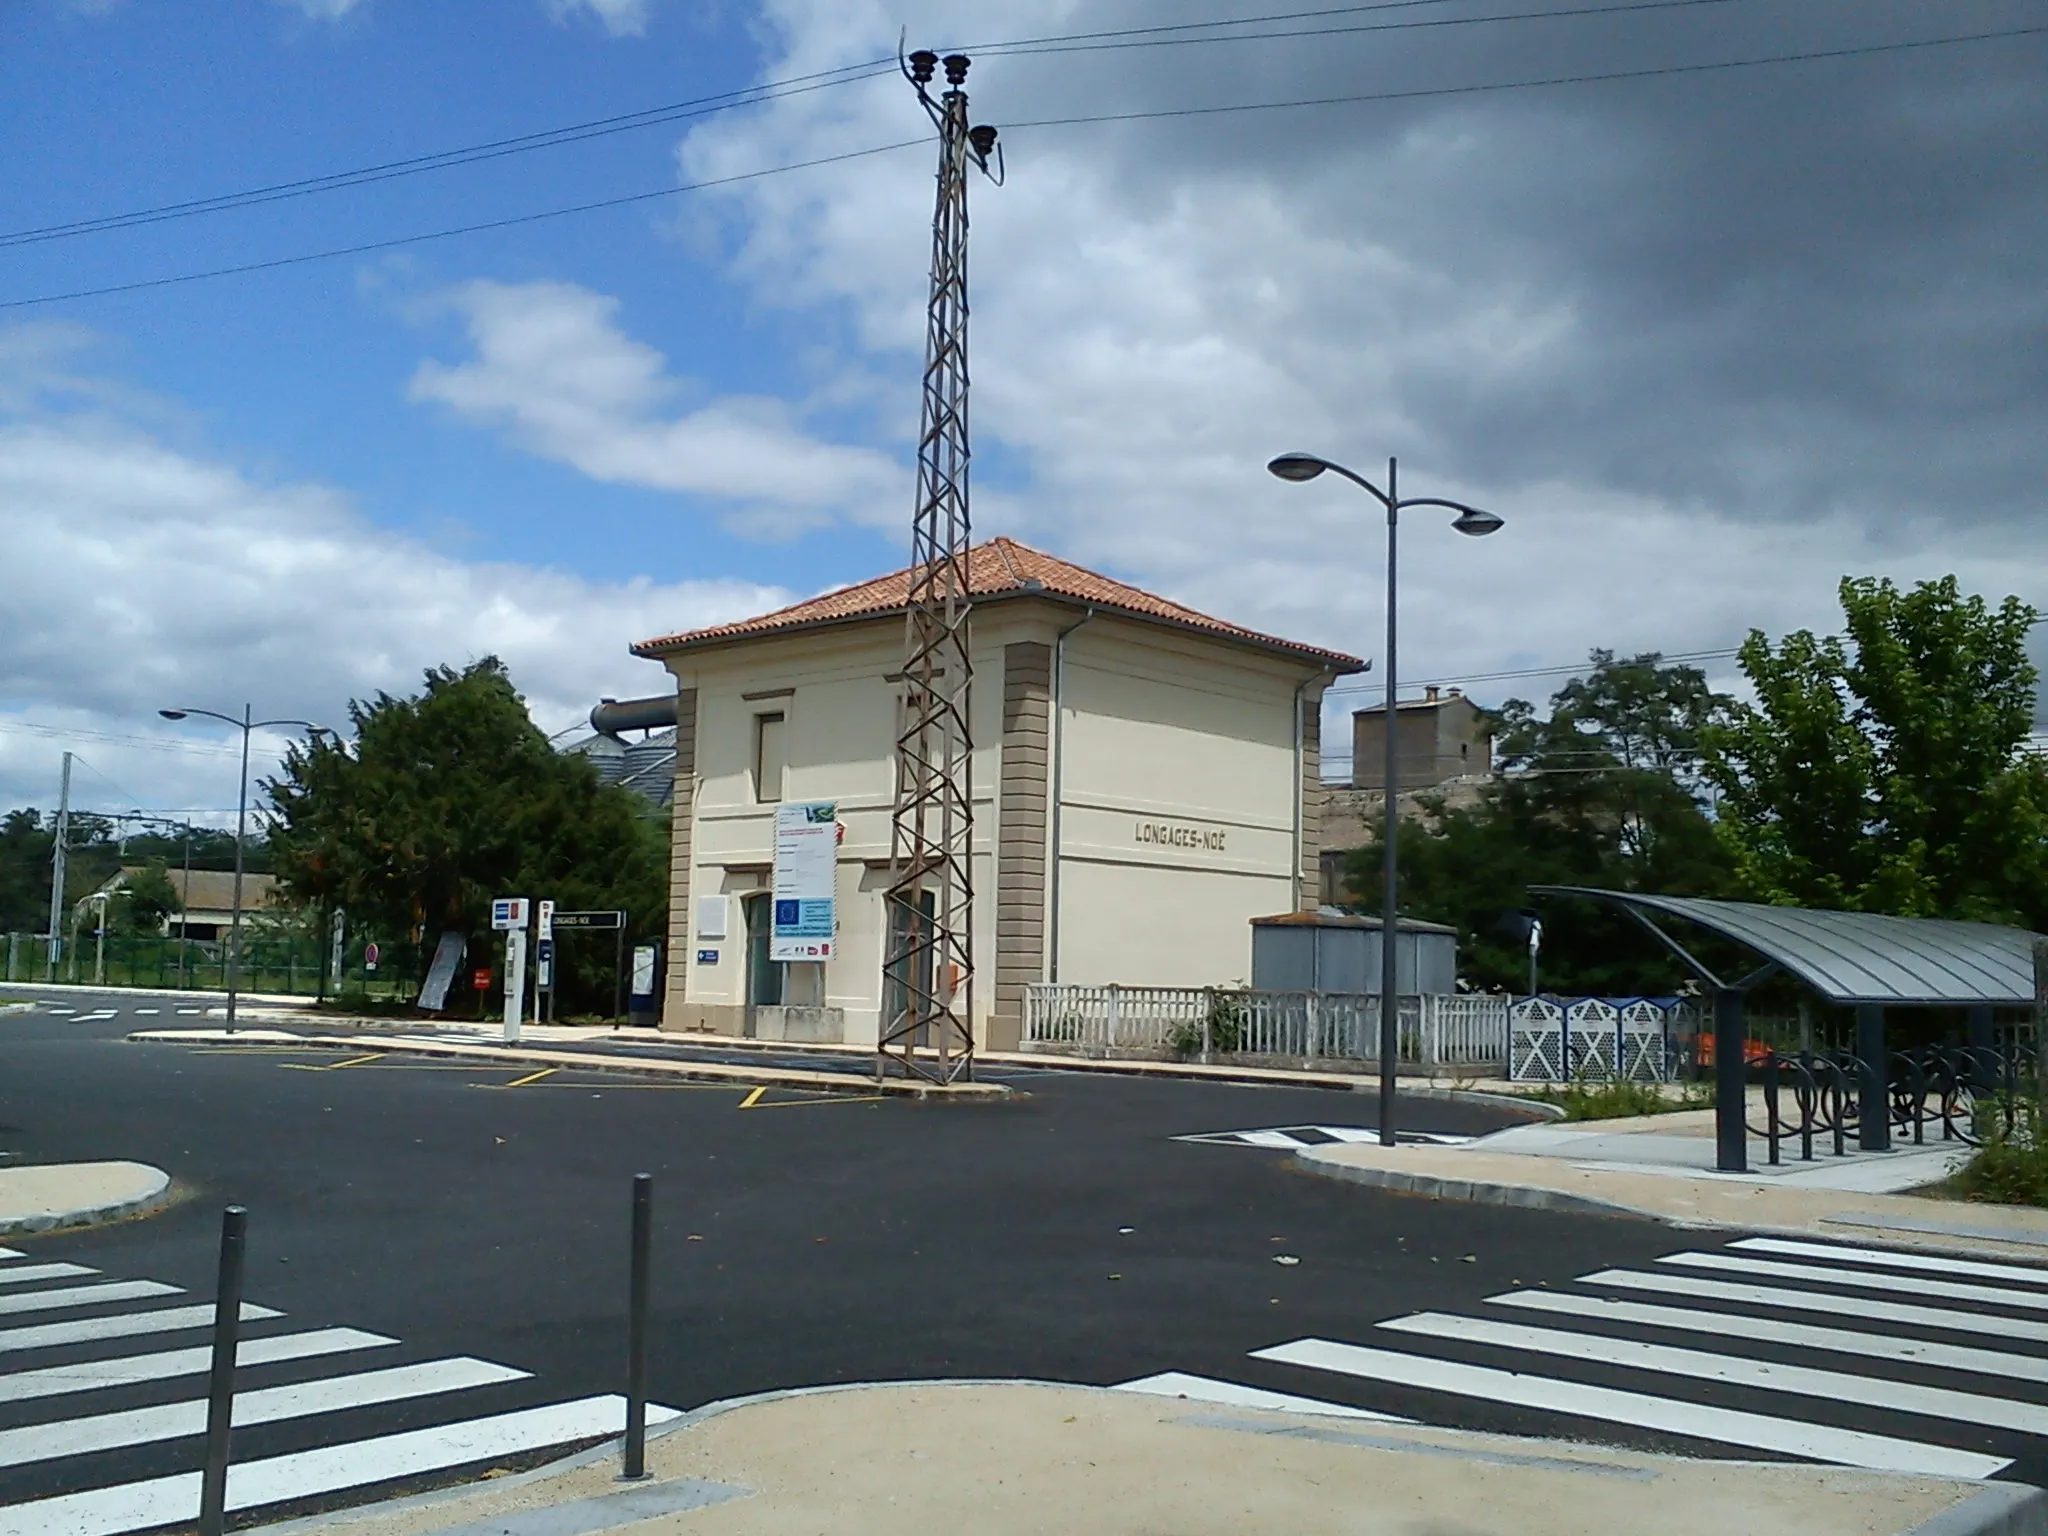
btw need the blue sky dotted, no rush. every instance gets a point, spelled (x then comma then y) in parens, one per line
(1710, 339)
(304, 371)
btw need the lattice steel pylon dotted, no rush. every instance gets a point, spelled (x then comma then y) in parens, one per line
(928, 983)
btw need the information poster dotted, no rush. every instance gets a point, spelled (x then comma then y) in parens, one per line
(806, 878)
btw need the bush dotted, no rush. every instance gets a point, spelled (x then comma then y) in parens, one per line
(1228, 1015)
(2011, 1167)
(1584, 1100)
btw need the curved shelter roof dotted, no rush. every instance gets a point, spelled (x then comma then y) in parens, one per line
(1859, 957)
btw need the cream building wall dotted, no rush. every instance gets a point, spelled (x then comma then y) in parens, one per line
(1175, 823)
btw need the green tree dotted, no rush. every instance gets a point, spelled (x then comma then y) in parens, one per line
(1601, 791)
(450, 798)
(147, 898)
(1886, 769)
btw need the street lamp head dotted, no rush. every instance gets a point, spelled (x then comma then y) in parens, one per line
(1476, 522)
(1297, 466)
(172, 714)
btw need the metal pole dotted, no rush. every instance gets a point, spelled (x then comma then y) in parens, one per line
(99, 946)
(1390, 894)
(1872, 1098)
(234, 965)
(220, 1394)
(54, 950)
(636, 1329)
(618, 969)
(1731, 1135)
(184, 901)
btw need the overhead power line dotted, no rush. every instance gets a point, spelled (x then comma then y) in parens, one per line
(1678, 658)
(370, 247)
(1058, 45)
(547, 138)
(155, 743)
(1812, 56)
(1354, 99)
(1225, 30)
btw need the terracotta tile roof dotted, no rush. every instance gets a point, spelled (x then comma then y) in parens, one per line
(1000, 568)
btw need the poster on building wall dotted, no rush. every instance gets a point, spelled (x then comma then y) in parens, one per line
(806, 874)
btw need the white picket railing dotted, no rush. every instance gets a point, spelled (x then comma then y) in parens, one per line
(1436, 1030)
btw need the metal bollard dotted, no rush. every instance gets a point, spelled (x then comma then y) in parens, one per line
(636, 1330)
(1771, 1104)
(220, 1392)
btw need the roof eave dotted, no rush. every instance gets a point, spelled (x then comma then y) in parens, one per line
(1334, 662)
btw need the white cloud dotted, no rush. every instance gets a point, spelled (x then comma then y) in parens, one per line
(141, 575)
(553, 371)
(621, 18)
(323, 10)
(1690, 434)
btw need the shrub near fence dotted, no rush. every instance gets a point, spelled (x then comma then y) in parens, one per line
(1158, 1022)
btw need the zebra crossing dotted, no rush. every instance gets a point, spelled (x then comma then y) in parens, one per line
(1783, 1346)
(1290, 1138)
(102, 1406)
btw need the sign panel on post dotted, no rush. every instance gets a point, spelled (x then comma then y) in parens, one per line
(806, 881)
(589, 920)
(509, 912)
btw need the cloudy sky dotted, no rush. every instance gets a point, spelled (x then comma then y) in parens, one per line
(1709, 338)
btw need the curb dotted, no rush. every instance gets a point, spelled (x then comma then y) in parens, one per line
(645, 1066)
(1536, 1109)
(92, 1215)
(1474, 1191)
(2002, 1509)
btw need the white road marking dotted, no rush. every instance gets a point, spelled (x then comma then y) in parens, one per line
(21, 1274)
(191, 1010)
(172, 1421)
(1734, 1370)
(148, 1013)
(1722, 1325)
(12, 1253)
(1204, 1389)
(171, 1500)
(95, 1018)
(48, 1009)
(120, 1326)
(1928, 1262)
(1267, 1139)
(132, 1370)
(86, 1295)
(1862, 1308)
(1786, 1437)
(1913, 1285)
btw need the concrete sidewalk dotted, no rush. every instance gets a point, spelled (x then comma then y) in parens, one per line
(1005, 1459)
(1661, 1167)
(55, 1196)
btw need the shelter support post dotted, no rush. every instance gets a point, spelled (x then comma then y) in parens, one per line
(1872, 1096)
(1731, 1136)
(1981, 1038)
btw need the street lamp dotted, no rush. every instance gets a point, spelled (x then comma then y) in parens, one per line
(1299, 467)
(246, 726)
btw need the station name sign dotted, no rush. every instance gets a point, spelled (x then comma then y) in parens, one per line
(1178, 834)
(590, 919)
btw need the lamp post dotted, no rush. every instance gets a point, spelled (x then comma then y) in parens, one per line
(1298, 467)
(246, 726)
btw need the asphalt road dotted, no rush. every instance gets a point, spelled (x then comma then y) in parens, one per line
(805, 1240)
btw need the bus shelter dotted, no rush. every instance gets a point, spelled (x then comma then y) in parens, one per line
(1866, 961)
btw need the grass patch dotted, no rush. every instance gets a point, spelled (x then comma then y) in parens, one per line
(2011, 1167)
(1583, 1100)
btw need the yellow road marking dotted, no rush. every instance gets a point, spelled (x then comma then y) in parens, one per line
(335, 1066)
(752, 1098)
(533, 1077)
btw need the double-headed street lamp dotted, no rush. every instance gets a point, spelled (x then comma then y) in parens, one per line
(1306, 466)
(246, 726)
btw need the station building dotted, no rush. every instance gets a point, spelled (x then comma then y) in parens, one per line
(1146, 781)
